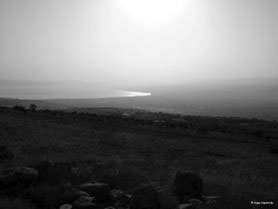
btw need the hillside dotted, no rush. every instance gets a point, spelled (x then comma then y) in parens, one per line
(235, 157)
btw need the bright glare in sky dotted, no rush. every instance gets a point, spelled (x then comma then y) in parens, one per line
(152, 12)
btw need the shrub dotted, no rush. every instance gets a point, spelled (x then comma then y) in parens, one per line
(33, 107)
(20, 108)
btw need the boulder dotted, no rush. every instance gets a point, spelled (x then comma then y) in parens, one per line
(198, 204)
(116, 194)
(120, 199)
(18, 176)
(66, 206)
(69, 195)
(5, 153)
(80, 193)
(145, 197)
(212, 202)
(101, 191)
(211, 199)
(85, 203)
(186, 206)
(187, 186)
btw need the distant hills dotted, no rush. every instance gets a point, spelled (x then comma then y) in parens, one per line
(243, 99)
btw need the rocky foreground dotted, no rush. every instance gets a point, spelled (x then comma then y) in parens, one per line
(47, 186)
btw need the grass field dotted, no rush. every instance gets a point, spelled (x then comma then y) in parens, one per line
(239, 171)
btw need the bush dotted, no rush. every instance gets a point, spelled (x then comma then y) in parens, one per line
(33, 107)
(20, 108)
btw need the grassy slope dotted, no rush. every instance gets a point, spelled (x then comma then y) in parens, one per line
(237, 171)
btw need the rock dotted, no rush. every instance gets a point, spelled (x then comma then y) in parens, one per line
(119, 198)
(66, 206)
(86, 185)
(145, 197)
(71, 194)
(212, 202)
(5, 153)
(100, 191)
(210, 199)
(198, 204)
(186, 206)
(80, 193)
(18, 176)
(208, 203)
(116, 194)
(85, 203)
(187, 186)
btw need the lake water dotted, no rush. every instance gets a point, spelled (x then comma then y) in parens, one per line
(55, 90)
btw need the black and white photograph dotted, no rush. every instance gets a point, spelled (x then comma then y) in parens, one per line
(138, 104)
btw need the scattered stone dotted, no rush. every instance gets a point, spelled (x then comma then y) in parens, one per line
(18, 176)
(100, 191)
(5, 153)
(186, 206)
(110, 207)
(145, 197)
(85, 203)
(66, 206)
(209, 199)
(187, 186)
(212, 202)
(119, 198)
(69, 194)
(198, 204)
(116, 194)
(80, 193)
(86, 185)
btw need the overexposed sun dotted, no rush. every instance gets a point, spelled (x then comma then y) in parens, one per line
(152, 12)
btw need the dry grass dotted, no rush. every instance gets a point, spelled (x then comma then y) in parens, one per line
(238, 172)
(6, 203)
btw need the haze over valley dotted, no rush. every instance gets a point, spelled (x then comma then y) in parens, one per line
(251, 98)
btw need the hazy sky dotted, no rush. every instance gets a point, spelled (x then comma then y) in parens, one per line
(138, 41)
